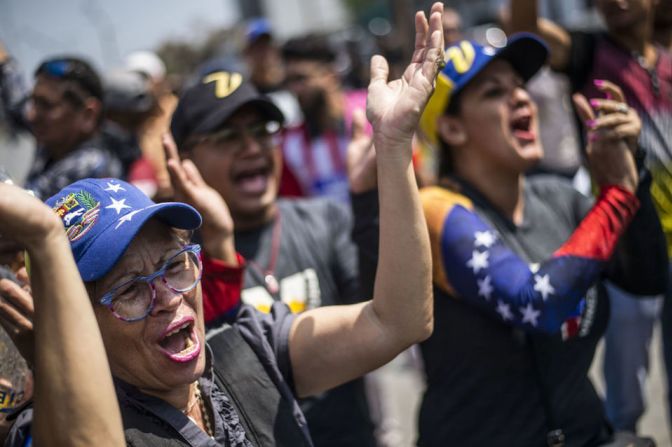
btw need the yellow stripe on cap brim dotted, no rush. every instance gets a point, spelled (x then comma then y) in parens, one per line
(435, 107)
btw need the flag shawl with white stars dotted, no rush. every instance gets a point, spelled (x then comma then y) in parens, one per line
(471, 262)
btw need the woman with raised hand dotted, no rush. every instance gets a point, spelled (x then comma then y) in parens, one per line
(74, 401)
(518, 262)
(240, 389)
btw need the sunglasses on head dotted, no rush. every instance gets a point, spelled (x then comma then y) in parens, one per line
(67, 70)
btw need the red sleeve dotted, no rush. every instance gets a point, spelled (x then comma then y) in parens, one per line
(606, 222)
(221, 284)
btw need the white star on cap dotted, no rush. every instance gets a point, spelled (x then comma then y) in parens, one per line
(484, 287)
(118, 205)
(484, 239)
(504, 311)
(530, 314)
(114, 187)
(478, 261)
(127, 218)
(542, 284)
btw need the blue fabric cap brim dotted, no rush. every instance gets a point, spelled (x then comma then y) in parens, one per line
(103, 253)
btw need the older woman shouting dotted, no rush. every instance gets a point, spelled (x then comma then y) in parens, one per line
(238, 387)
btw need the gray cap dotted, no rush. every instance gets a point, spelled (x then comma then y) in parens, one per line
(127, 91)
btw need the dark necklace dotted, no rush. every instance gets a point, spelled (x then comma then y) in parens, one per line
(268, 274)
(650, 70)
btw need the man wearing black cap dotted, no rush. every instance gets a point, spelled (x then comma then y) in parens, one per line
(298, 251)
(64, 114)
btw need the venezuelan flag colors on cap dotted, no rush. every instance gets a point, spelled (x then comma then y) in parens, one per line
(465, 59)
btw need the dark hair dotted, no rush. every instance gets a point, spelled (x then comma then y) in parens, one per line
(311, 47)
(445, 164)
(74, 70)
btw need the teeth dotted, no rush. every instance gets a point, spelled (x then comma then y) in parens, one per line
(188, 345)
(176, 330)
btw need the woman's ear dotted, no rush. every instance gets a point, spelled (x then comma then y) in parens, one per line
(451, 131)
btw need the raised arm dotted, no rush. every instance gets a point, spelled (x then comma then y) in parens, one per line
(480, 269)
(640, 264)
(524, 17)
(331, 345)
(75, 402)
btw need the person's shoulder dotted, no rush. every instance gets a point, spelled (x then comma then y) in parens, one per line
(19, 433)
(92, 151)
(437, 203)
(440, 200)
(439, 194)
(251, 317)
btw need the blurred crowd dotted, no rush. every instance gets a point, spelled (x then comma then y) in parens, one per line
(544, 161)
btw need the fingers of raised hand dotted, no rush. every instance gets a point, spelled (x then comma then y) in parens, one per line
(612, 90)
(192, 172)
(379, 69)
(609, 106)
(16, 311)
(620, 132)
(421, 30)
(583, 108)
(436, 26)
(169, 146)
(610, 120)
(24, 279)
(14, 294)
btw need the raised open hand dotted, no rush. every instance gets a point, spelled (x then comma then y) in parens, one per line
(190, 188)
(613, 129)
(394, 107)
(25, 222)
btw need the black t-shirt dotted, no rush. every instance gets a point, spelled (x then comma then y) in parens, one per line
(486, 379)
(315, 265)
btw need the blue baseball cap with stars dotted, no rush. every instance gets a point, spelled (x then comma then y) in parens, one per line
(102, 217)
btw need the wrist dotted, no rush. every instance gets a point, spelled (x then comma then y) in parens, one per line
(383, 142)
(221, 247)
(50, 237)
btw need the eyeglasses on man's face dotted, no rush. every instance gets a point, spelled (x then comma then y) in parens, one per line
(232, 138)
(134, 300)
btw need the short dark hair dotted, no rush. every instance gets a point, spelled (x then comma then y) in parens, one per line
(445, 164)
(74, 70)
(310, 47)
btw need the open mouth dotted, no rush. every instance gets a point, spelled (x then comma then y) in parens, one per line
(179, 342)
(521, 128)
(252, 181)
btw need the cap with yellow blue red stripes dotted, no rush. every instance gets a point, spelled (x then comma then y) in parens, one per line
(464, 60)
